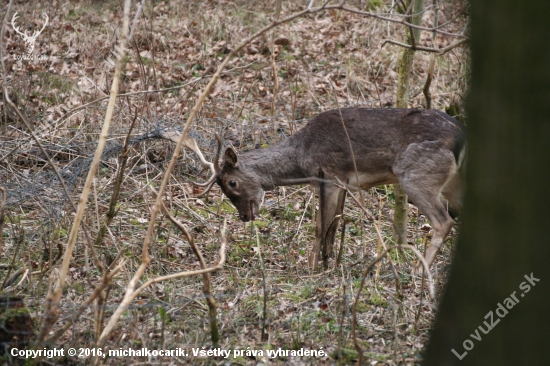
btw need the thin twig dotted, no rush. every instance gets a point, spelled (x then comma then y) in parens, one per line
(349, 144)
(343, 312)
(264, 307)
(392, 20)
(311, 180)
(12, 279)
(273, 64)
(347, 134)
(20, 241)
(9, 153)
(2, 208)
(441, 51)
(136, 17)
(431, 68)
(71, 112)
(378, 232)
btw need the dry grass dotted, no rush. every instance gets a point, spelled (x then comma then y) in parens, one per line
(175, 44)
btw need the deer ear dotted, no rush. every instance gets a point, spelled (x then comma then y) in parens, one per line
(230, 157)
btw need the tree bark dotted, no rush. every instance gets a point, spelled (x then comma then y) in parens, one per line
(504, 247)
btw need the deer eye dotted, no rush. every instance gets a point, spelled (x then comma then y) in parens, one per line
(233, 183)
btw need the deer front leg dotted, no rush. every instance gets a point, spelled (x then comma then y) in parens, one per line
(331, 206)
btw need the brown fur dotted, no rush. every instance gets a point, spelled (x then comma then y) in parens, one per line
(420, 149)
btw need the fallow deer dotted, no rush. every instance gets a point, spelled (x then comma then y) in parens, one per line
(421, 149)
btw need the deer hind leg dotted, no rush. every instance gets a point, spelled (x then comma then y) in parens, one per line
(454, 190)
(441, 221)
(423, 178)
(331, 206)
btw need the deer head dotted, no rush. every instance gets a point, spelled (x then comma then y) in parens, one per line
(29, 39)
(240, 185)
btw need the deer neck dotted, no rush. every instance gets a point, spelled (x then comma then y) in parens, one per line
(274, 165)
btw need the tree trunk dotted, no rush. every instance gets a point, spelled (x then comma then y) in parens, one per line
(500, 277)
(400, 216)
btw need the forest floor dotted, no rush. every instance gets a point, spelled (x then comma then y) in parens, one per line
(322, 61)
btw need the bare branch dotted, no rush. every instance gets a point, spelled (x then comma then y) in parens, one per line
(392, 20)
(71, 112)
(441, 51)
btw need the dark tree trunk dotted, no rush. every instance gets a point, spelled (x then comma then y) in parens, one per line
(506, 219)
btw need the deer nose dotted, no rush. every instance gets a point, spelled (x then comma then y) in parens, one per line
(245, 218)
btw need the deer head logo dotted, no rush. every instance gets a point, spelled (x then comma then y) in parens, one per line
(29, 39)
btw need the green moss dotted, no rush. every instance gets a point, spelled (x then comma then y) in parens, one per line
(62, 233)
(377, 300)
(362, 307)
(228, 207)
(290, 214)
(134, 222)
(202, 212)
(78, 288)
(15, 313)
(345, 355)
(374, 4)
(260, 224)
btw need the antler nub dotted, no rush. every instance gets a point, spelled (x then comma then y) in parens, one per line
(210, 182)
(192, 144)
